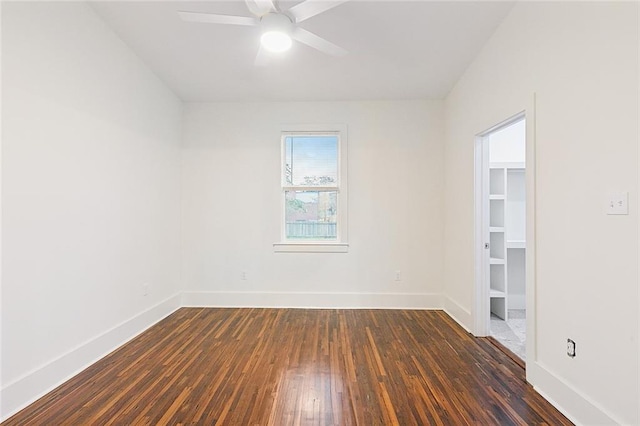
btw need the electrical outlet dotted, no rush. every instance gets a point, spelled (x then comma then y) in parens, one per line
(398, 276)
(571, 348)
(243, 275)
(618, 203)
(145, 289)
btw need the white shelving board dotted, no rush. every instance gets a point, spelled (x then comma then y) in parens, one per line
(516, 244)
(497, 293)
(507, 165)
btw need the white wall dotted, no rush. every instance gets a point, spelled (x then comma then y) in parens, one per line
(90, 172)
(231, 207)
(581, 59)
(507, 145)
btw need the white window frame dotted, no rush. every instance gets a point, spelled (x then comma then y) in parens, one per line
(340, 244)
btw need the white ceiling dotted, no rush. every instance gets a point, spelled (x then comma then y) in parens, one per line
(397, 49)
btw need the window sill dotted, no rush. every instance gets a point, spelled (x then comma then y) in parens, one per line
(311, 247)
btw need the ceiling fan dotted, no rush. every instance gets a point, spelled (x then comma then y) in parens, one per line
(278, 27)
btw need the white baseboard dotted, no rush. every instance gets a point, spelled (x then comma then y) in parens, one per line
(458, 313)
(576, 406)
(21, 392)
(312, 300)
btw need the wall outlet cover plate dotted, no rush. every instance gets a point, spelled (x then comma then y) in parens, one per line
(618, 203)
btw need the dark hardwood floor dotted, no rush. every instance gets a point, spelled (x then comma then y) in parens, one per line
(297, 366)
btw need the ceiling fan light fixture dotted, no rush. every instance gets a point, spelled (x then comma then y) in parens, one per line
(276, 32)
(278, 28)
(276, 41)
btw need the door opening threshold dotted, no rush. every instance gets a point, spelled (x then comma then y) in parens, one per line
(515, 358)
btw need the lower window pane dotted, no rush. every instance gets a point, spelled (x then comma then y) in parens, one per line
(311, 215)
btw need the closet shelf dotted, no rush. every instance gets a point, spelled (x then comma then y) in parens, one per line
(507, 230)
(507, 165)
(516, 244)
(495, 294)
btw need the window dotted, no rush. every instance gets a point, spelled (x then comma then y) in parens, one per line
(313, 191)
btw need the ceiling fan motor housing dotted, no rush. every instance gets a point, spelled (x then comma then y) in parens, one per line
(278, 22)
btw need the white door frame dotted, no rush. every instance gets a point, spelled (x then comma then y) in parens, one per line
(531, 235)
(481, 226)
(481, 235)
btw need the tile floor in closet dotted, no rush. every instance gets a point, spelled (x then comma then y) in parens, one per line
(511, 333)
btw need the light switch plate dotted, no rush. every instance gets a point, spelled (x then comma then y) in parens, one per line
(618, 203)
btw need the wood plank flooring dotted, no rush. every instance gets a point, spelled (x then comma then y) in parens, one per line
(298, 367)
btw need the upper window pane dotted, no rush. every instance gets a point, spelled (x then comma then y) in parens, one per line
(311, 160)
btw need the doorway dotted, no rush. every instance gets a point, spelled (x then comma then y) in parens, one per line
(501, 229)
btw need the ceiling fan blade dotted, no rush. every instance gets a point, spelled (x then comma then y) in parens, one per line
(212, 18)
(310, 39)
(311, 8)
(262, 58)
(260, 7)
